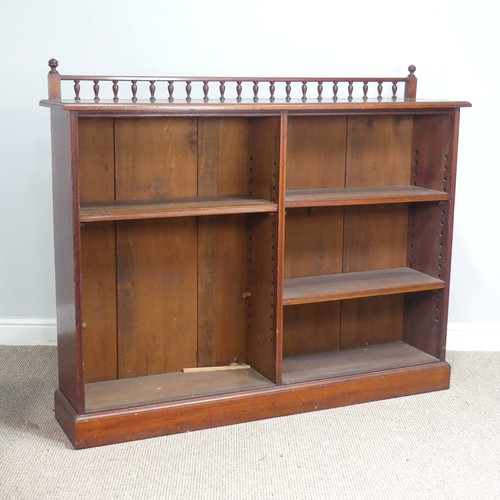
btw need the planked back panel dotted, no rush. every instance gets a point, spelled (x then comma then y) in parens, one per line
(222, 170)
(316, 149)
(96, 172)
(346, 152)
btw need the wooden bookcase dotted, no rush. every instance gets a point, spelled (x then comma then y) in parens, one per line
(234, 249)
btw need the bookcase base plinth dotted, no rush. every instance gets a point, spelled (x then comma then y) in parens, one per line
(129, 424)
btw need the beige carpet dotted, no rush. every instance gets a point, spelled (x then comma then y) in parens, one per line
(444, 445)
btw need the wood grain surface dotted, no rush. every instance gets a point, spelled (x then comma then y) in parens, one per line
(357, 284)
(365, 195)
(352, 362)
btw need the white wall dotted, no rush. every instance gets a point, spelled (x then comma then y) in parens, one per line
(453, 43)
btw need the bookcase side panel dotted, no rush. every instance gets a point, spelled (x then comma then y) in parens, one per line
(264, 157)
(261, 340)
(435, 145)
(432, 143)
(423, 321)
(264, 150)
(64, 127)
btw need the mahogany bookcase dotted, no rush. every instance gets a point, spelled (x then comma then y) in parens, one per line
(232, 249)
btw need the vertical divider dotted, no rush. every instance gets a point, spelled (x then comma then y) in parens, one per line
(115, 230)
(264, 306)
(343, 224)
(435, 144)
(449, 183)
(280, 246)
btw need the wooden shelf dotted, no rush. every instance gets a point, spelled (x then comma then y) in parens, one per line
(181, 207)
(375, 195)
(167, 387)
(368, 359)
(329, 287)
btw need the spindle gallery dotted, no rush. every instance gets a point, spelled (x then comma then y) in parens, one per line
(214, 89)
(231, 249)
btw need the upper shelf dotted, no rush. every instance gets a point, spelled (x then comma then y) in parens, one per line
(181, 207)
(361, 196)
(328, 287)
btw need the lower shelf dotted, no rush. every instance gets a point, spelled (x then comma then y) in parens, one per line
(176, 386)
(368, 359)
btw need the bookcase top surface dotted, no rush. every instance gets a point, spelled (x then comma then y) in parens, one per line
(248, 107)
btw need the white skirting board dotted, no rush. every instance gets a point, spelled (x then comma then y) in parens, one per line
(461, 336)
(28, 331)
(473, 337)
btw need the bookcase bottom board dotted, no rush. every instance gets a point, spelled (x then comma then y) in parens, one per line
(369, 359)
(166, 387)
(109, 427)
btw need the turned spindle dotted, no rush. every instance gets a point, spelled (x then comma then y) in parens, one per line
(394, 90)
(350, 88)
(304, 91)
(335, 90)
(170, 90)
(152, 90)
(96, 90)
(205, 90)
(380, 88)
(76, 88)
(255, 89)
(134, 90)
(239, 89)
(365, 91)
(188, 91)
(115, 90)
(320, 91)
(222, 90)
(272, 88)
(288, 89)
